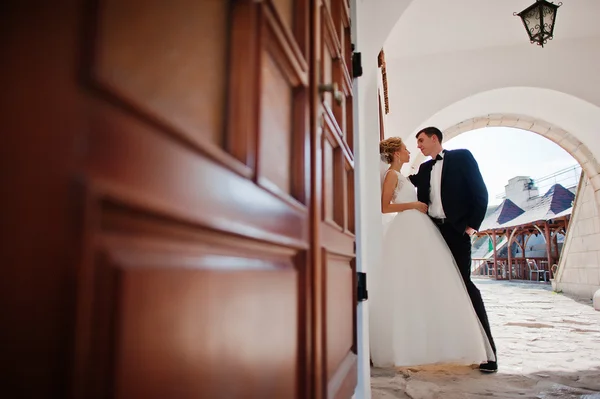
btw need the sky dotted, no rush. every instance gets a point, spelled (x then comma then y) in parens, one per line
(503, 153)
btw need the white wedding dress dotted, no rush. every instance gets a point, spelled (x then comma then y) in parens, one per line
(420, 312)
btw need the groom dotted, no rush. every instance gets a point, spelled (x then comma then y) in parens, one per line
(451, 184)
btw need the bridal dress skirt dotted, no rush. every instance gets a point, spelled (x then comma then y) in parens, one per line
(419, 309)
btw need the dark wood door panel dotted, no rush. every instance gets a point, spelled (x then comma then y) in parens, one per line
(152, 60)
(340, 321)
(340, 309)
(332, 126)
(162, 318)
(132, 154)
(284, 111)
(337, 220)
(133, 163)
(336, 241)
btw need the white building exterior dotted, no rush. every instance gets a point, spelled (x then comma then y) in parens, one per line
(466, 64)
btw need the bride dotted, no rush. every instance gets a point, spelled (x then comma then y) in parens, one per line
(419, 309)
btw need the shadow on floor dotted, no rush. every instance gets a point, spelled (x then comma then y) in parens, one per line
(460, 382)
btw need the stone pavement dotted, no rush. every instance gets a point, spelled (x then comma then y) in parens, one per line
(548, 347)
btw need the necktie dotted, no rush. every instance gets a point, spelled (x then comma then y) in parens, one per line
(438, 158)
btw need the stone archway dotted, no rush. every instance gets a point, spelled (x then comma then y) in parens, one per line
(579, 252)
(552, 132)
(580, 152)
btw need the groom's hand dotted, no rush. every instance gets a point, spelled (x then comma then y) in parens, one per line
(470, 231)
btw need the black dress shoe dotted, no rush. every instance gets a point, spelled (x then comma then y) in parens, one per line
(489, 367)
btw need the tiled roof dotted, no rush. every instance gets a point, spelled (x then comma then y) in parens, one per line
(558, 201)
(507, 211)
(561, 198)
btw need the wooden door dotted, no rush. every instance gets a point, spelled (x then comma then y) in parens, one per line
(178, 209)
(335, 182)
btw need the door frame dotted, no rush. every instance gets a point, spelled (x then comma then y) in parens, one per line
(363, 386)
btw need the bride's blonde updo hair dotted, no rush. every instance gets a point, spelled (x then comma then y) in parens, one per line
(388, 147)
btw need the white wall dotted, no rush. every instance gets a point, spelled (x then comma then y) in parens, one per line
(372, 22)
(420, 87)
(579, 270)
(446, 89)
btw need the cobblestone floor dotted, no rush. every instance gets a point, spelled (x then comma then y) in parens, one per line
(548, 347)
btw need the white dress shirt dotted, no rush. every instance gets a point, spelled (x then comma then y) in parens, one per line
(436, 209)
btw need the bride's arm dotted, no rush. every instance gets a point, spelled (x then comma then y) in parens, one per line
(387, 192)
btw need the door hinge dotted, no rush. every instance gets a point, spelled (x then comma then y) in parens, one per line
(362, 293)
(357, 69)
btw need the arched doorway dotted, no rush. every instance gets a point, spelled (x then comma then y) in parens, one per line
(575, 272)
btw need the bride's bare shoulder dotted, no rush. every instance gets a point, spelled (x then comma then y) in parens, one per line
(390, 176)
(390, 180)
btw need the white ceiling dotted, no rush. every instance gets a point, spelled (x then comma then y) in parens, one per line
(441, 26)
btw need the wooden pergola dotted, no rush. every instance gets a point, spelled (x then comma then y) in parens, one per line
(548, 216)
(514, 267)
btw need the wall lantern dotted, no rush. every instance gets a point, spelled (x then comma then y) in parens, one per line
(538, 20)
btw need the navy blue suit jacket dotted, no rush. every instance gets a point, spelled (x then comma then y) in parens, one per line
(464, 194)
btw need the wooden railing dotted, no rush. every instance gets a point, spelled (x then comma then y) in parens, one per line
(520, 270)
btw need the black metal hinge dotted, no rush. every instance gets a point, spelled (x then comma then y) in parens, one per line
(357, 69)
(362, 293)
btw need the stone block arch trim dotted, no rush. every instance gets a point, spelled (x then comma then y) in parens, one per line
(552, 132)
